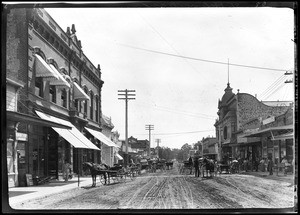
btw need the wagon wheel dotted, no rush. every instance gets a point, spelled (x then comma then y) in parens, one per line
(121, 177)
(102, 180)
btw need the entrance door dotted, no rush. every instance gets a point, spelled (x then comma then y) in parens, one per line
(38, 156)
(52, 154)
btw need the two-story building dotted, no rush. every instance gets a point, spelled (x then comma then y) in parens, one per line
(239, 114)
(209, 147)
(59, 96)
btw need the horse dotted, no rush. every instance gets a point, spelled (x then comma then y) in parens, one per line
(96, 169)
(169, 164)
(207, 165)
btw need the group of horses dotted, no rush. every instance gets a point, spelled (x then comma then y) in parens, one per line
(208, 167)
(151, 165)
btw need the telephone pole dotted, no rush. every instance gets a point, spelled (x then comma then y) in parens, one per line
(149, 128)
(157, 141)
(128, 95)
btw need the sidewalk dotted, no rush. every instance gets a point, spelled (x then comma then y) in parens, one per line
(280, 177)
(20, 194)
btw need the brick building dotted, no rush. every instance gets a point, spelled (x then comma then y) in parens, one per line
(53, 98)
(239, 114)
(209, 147)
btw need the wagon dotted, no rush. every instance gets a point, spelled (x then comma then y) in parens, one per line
(144, 165)
(118, 174)
(186, 168)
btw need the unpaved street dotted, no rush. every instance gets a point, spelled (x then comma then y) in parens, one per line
(170, 190)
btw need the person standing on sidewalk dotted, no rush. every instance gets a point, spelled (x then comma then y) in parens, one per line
(270, 166)
(66, 170)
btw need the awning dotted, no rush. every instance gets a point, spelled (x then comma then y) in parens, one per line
(61, 81)
(119, 156)
(25, 118)
(79, 93)
(278, 128)
(102, 137)
(289, 135)
(73, 135)
(43, 69)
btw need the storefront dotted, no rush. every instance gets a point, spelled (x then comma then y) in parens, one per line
(277, 142)
(26, 146)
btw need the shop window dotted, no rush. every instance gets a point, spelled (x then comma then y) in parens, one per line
(38, 86)
(10, 161)
(64, 98)
(52, 94)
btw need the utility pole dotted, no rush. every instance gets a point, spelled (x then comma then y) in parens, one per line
(149, 128)
(288, 73)
(157, 141)
(128, 96)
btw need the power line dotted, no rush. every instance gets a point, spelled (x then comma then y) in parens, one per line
(272, 86)
(187, 132)
(198, 59)
(279, 87)
(200, 115)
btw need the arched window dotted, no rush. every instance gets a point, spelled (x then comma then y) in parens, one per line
(52, 93)
(225, 133)
(85, 103)
(39, 87)
(97, 108)
(64, 98)
(92, 104)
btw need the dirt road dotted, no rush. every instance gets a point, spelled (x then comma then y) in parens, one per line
(170, 190)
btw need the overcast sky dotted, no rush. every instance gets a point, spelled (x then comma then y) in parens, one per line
(176, 59)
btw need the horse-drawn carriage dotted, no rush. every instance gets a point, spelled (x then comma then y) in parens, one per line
(143, 165)
(186, 168)
(161, 164)
(108, 174)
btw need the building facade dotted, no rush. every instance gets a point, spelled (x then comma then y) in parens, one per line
(239, 114)
(59, 98)
(209, 147)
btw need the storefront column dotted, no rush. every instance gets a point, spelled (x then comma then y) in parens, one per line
(15, 155)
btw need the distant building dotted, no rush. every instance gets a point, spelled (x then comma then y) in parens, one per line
(210, 147)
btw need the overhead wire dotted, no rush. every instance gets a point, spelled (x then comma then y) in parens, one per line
(279, 87)
(180, 111)
(272, 86)
(198, 59)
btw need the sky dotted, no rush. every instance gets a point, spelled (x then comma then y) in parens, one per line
(179, 61)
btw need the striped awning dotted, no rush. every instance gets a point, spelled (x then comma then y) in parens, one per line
(59, 82)
(79, 93)
(73, 135)
(42, 69)
(101, 137)
(119, 156)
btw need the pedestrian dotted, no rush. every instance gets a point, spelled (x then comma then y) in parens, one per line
(191, 164)
(270, 166)
(196, 165)
(66, 170)
(286, 164)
